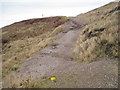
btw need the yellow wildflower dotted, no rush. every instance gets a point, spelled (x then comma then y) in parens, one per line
(52, 78)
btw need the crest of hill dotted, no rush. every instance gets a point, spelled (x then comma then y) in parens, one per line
(30, 28)
(22, 39)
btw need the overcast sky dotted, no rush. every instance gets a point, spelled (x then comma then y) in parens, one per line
(16, 10)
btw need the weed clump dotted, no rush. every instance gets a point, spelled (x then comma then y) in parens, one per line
(100, 36)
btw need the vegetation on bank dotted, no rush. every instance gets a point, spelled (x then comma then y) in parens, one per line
(21, 40)
(100, 35)
(12, 81)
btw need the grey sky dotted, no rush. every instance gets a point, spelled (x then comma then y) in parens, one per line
(16, 10)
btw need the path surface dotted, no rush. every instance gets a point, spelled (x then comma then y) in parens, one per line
(57, 58)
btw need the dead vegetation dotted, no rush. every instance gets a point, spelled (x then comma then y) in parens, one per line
(22, 39)
(100, 36)
(44, 81)
(12, 81)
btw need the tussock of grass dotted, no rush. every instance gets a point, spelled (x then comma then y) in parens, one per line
(12, 81)
(15, 51)
(100, 36)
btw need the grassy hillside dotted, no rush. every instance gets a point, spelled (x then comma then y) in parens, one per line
(20, 40)
(100, 36)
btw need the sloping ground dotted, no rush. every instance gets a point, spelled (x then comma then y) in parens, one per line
(57, 60)
(30, 28)
(52, 57)
(20, 40)
(100, 36)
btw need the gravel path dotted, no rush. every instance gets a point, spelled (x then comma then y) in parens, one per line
(57, 58)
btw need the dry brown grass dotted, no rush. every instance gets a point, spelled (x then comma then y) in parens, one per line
(18, 49)
(12, 81)
(100, 36)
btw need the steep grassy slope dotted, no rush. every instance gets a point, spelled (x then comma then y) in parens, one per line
(22, 39)
(100, 35)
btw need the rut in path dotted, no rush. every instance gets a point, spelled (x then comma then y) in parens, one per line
(57, 58)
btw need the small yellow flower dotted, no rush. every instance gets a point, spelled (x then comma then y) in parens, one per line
(52, 78)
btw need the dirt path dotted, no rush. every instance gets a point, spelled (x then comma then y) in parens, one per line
(57, 58)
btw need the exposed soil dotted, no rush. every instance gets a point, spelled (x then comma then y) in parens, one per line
(57, 58)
